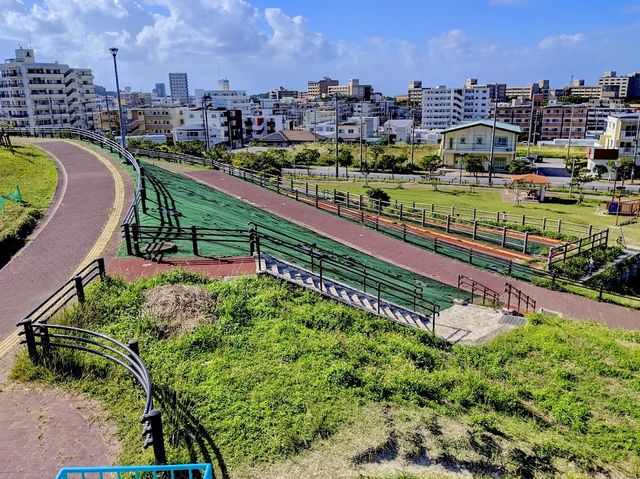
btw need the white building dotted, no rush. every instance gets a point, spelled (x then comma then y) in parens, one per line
(444, 107)
(45, 94)
(258, 126)
(179, 87)
(194, 126)
(226, 98)
(476, 103)
(441, 107)
(400, 129)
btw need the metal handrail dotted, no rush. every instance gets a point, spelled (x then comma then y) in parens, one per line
(487, 292)
(166, 472)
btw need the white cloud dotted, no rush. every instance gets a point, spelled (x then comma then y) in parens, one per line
(562, 40)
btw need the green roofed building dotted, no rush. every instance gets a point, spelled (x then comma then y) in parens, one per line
(475, 137)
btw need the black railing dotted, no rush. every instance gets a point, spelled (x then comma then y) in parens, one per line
(520, 301)
(488, 295)
(41, 338)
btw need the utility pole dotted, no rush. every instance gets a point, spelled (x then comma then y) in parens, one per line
(493, 137)
(573, 167)
(361, 108)
(337, 164)
(530, 128)
(413, 134)
(635, 152)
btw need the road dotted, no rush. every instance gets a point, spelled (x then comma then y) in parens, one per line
(553, 168)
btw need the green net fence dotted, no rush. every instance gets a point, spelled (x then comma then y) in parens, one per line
(14, 197)
(176, 201)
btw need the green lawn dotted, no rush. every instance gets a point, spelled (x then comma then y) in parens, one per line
(273, 381)
(482, 199)
(36, 176)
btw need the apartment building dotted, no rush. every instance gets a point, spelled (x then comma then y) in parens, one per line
(628, 85)
(258, 126)
(414, 94)
(315, 116)
(282, 92)
(622, 133)
(520, 115)
(441, 107)
(225, 98)
(179, 88)
(497, 91)
(564, 121)
(529, 91)
(444, 107)
(353, 88)
(319, 89)
(159, 91)
(36, 94)
(224, 127)
(476, 102)
(81, 98)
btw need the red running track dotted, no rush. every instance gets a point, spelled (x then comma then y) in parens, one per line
(411, 257)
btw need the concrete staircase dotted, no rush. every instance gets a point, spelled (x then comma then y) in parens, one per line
(267, 264)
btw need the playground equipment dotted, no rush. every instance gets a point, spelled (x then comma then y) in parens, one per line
(623, 208)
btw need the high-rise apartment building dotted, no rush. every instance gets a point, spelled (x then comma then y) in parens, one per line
(444, 107)
(179, 87)
(319, 89)
(441, 107)
(36, 94)
(628, 86)
(160, 90)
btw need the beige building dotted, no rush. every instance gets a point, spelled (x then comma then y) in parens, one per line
(475, 137)
(622, 134)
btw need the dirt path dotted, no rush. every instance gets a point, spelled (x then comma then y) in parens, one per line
(410, 257)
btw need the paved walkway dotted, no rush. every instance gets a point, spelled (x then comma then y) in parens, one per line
(410, 257)
(72, 225)
(132, 269)
(42, 430)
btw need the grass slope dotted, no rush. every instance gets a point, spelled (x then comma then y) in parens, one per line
(278, 382)
(36, 176)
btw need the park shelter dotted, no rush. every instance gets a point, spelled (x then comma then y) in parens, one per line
(537, 181)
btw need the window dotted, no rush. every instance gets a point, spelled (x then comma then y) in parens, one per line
(450, 142)
(501, 141)
(499, 162)
(463, 140)
(479, 140)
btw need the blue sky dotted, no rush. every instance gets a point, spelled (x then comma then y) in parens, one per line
(262, 44)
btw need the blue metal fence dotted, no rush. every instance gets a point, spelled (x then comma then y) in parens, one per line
(176, 471)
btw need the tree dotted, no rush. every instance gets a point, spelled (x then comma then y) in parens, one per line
(345, 158)
(520, 167)
(474, 163)
(218, 153)
(380, 195)
(430, 164)
(376, 151)
(600, 170)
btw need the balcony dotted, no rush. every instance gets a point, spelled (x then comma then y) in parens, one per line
(474, 148)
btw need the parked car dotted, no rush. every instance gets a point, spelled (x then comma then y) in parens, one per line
(535, 158)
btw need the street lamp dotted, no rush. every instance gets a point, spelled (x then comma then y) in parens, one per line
(205, 123)
(123, 134)
(493, 134)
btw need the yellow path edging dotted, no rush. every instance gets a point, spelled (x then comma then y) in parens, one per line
(101, 243)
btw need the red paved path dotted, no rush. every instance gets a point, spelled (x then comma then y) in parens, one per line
(410, 257)
(65, 239)
(132, 269)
